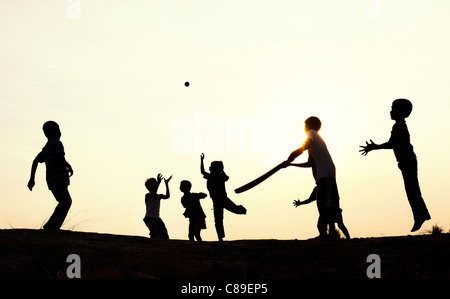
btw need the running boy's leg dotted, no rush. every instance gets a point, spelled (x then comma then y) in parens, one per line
(64, 200)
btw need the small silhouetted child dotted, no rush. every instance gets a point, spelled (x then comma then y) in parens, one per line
(216, 186)
(406, 158)
(58, 172)
(327, 195)
(152, 203)
(194, 211)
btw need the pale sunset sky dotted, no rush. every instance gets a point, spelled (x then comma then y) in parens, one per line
(112, 74)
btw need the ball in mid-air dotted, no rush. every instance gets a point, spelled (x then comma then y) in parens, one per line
(186, 84)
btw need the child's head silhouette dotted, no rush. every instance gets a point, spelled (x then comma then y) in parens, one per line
(151, 184)
(51, 129)
(401, 108)
(185, 186)
(216, 167)
(313, 123)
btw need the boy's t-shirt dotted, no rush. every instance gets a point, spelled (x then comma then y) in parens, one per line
(400, 140)
(191, 202)
(56, 171)
(216, 184)
(152, 204)
(322, 158)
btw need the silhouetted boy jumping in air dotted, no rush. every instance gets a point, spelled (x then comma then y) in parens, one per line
(58, 172)
(194, 211)
(152, 203)
(406, 158)
(216, 186)
(327, 195)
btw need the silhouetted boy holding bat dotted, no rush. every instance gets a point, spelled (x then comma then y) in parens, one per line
(406, 158)
(313, 197)
(216, 186)
(327, 195)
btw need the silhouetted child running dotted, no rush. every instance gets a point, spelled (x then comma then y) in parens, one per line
(194, 211)
(313, 197)
(216, 186)
(58, 172)
(406, 158)
(327, 193)
(152, 203)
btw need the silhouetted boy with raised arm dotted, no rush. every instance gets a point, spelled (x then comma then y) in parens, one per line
(327, 193)
(152, 203)
(58, 172)
(216, 186)
(406, 158)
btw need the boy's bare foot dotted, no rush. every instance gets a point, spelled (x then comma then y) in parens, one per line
(417, 224)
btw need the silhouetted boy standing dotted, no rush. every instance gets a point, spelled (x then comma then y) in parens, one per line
(154, 223)
(406, 158)
(58, 172)
(325, 175)
(194, 211)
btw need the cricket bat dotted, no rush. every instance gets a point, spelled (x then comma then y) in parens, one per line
(259, 180)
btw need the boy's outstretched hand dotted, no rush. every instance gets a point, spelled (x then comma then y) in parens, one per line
(297, 203)
(167, 180)
(367, 148)
(159, 178)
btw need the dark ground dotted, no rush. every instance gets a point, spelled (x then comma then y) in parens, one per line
(41, 254)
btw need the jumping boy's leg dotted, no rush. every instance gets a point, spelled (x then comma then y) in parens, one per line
(419, 209)
(64, 200)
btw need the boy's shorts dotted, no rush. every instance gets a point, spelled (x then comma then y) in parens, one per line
(335, 218)
(327, 197)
